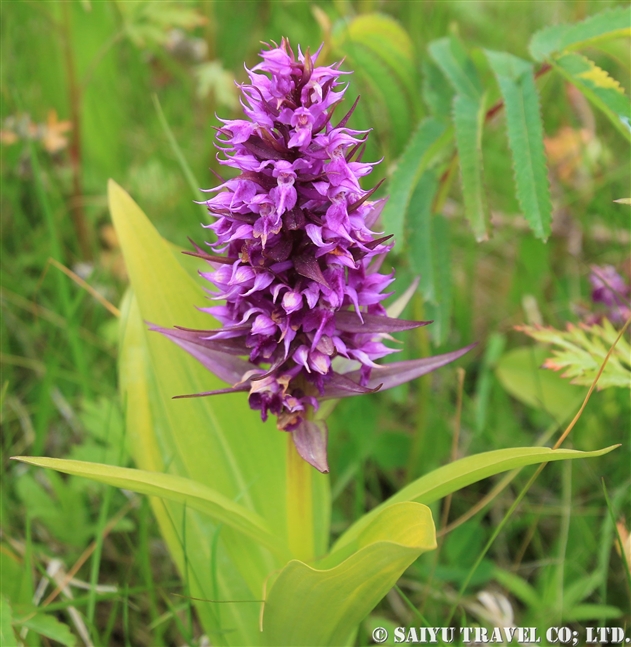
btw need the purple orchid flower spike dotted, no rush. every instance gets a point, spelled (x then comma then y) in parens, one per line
(299, 290)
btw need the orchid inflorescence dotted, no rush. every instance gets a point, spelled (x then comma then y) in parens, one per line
(295, 262)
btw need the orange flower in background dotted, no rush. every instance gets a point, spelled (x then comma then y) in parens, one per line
(53, 133)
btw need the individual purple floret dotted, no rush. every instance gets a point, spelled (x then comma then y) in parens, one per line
(295, 264)
(610, 289)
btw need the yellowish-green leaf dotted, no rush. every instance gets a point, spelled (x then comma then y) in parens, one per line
(174, 488)
(321, 606)
(520, 373)
(580, 351)
(217, 442)
(603, 91)
(463, 472)
(381, 55)
(613, 23)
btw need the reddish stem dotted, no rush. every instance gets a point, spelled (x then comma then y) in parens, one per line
(74, 94)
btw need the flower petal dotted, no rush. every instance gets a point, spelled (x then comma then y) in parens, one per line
(391, 375)
(310, 439)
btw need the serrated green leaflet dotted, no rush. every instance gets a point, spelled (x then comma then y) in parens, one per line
(558, 38)
(437, 94)
(457, 66)
(439, 311)
(174, 488)
(579, 352)
(603, 91)
(339, 597)
(430, 137)
(468, 115)
(419, 238)
(525, 136)
(463, 472)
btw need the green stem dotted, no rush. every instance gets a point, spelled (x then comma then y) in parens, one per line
(300, 528)
(423, 402)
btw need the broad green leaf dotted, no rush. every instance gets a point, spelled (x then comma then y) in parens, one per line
(47, 625)
(383, 86)
(454, 476)
(603, 91)
(198, 556)
(341, 596)
(385, 36)
(525, 136)
(612, 23)
(430, 137)
(175, 488)
(381, 55)
(7, 637)
(457, 66)
(580, 351)
(211, 441)
(419, 229)
(519, 372)
(469, 115)
(439, 311)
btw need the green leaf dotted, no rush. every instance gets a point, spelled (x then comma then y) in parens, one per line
(603, 91)
(386, 38)
(437, 94)
(440, 310)
(341, 596)
(383, 86)
(381, 55)
(7, 637)
(519, 372)
(583, 612)
(519, 587)
(47, 625)
(581, 350)
(175, 488)
(430, 137)
(211, 441)
(419, 238)
(613, 23)
(468, 116)
(457, 66)
(454, 476)
(525, 136)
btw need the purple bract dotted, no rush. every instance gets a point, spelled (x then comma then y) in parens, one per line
(295, 262)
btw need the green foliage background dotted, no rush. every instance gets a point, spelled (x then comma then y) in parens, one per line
(100, 65)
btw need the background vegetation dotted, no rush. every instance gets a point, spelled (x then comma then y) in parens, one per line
(86, 91)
